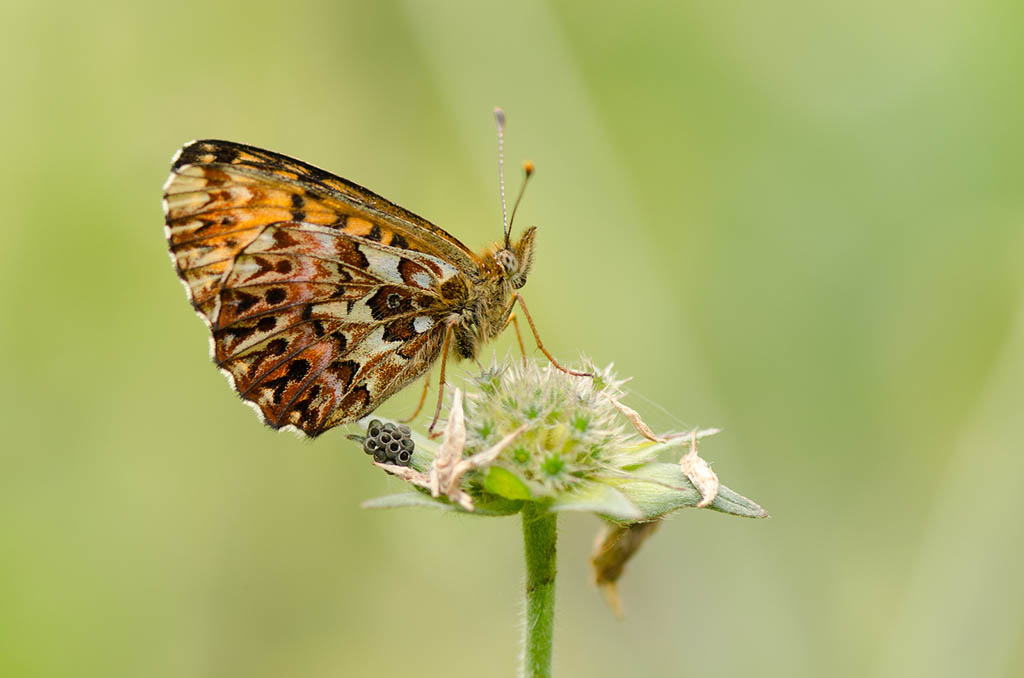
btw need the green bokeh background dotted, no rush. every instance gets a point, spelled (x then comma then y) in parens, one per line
(798, 221)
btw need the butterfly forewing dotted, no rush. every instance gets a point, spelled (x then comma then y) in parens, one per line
(322, 298)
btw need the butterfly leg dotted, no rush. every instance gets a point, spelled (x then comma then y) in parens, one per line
(540, 345)
(440, 385)
(514, 322)
(423, 399)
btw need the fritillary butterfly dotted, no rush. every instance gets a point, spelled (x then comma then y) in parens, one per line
(322, 298)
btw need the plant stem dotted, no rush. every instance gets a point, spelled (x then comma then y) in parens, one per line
(540, 531)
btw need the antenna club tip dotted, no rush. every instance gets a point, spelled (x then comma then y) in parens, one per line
(499, 115)
(528, 167)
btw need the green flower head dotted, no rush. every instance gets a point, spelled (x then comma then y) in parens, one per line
(528, 433)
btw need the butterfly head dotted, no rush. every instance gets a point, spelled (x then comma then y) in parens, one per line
(516, 258)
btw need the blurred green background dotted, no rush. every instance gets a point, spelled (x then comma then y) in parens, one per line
(798, 221)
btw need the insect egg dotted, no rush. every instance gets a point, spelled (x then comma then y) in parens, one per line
(388, 443)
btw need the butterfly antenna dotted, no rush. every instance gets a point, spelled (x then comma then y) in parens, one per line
(528, 172)
(499, 117)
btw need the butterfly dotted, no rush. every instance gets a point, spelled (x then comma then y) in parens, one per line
(322, 298)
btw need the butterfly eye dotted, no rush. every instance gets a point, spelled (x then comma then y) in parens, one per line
(508, 261)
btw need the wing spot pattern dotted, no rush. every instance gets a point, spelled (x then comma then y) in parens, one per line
(315, 313)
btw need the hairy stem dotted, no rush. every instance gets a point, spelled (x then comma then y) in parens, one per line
(540, 532)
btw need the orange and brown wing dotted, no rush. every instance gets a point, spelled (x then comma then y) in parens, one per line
(312, 195)
(318, 307)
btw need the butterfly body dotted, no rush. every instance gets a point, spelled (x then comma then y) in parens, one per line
(322, 298)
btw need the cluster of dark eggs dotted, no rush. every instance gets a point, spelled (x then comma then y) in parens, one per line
(389, 444)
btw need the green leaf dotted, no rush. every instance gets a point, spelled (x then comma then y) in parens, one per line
(598, 498)
(405, 499)
(736, 504)
(504, 483)
(497, 507)
(658, 489)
